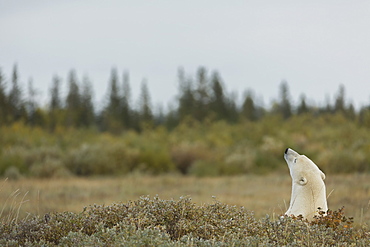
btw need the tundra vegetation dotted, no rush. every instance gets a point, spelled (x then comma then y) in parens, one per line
(156, 222)
(205, 136)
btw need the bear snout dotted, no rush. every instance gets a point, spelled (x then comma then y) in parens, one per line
(290, 152)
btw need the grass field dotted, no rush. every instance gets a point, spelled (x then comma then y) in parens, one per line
(267, 194)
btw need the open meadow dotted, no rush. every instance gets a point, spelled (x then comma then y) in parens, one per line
(262, 194)
(140, 184)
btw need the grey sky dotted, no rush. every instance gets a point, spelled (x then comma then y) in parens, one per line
(314, 45)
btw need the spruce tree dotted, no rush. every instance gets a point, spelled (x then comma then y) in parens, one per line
(248, 108)
(55, 99)
(145, 112)
(302, 108)
(350, 112)
(201, 95)
(126, 101)
(218, 101)
(284, 104)
(73, 101)
(114, 96)
(87, 117)
(172, 118)
(31, 103)
(16, 104)
(55, 105)
(4, 107)
(112, 118)
(186, 96)
(340, 104)
(36, 115)
(232, 108)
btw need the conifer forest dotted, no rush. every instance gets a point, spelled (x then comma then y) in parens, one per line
(205, 132)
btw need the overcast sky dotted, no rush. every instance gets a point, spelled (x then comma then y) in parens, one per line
(314, 45)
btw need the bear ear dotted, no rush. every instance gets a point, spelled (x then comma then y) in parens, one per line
(302, 181)
(322, 175)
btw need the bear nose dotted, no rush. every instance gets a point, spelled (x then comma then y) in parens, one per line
(286, 150)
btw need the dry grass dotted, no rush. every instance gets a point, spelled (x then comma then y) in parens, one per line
(268, 194)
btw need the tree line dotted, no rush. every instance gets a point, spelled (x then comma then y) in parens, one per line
(200, 98)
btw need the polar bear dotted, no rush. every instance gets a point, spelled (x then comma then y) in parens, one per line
(308, 187)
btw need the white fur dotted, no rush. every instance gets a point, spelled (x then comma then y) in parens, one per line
(308, 187)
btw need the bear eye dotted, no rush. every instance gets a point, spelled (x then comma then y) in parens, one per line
(295, 160)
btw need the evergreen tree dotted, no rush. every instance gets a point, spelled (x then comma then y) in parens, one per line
(87, 108)
(186, 99)
(4, 107)
(218, 101)
(55, 100)
(114, 96)
(16, 105)
(73, 101)
(340, 104)
(249, 110)
(302, 108)
(172, 119)
(31, 102)
(285, 107)
(126, 99)
(145, 112)
(232, 108)
(36, 116)
(350, 112)
(201, 95)
(112, 117)
(55, 105)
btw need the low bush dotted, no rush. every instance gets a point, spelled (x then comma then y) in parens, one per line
(185, 154)
(50, 168)
(154, 160)
(264, 163)
(202, 168)
(203, 149)
(101, 159)
(13, 157)
(156, 222)
(42, 154)
(12, 173)
(344, 161)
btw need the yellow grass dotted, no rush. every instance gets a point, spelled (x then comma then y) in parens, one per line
(268, 194)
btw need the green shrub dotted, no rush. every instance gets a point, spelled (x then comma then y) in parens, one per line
(50, 168)
(13, 157)
(154, 160)
(202, 168)
(335, 144)
(87, 160)
(42, 154)
(12, 173)
(239, 161)
(265, 163)
(28, 160)
(101, 159)
(343, 161)
(156, 222)
(185, 154)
